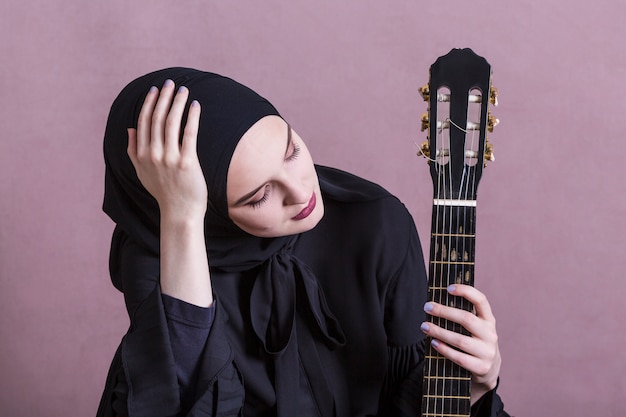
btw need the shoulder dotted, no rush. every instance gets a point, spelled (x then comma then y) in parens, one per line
(364, 217)
(355, 200)
(368, 238)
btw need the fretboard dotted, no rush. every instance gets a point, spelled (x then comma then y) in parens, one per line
(447, 386)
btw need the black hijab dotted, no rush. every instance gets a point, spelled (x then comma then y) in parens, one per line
(229, 109)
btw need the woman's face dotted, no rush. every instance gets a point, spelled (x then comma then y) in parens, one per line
(272, 186)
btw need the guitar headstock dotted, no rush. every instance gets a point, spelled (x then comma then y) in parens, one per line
(459, 93)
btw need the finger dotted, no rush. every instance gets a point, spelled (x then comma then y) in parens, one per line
(159, 117)
(145, 122)
(477, 298)
(173, 123)
(190, 134)
(464, 318)
(132, 145)
(467, 344)
(469, 362)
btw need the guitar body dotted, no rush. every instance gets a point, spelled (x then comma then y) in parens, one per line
(458, 118)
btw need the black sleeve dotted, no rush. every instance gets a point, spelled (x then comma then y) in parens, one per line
(143, 380)
(404, 312)
(489, 405)
(189, 327)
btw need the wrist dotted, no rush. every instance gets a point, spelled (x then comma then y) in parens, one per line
(480, 389)
(183, 221)
(184, 261)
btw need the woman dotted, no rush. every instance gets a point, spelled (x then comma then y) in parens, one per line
(256, 282)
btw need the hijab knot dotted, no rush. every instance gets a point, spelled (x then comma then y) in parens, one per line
(284, 287)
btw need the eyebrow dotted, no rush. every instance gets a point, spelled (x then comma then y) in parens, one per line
(256, 190)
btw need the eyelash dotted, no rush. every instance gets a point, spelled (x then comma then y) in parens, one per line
(259, 202)
(295, 153)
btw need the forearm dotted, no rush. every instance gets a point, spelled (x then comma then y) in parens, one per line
(184, 261)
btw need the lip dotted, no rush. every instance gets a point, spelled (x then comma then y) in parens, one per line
(307, 210)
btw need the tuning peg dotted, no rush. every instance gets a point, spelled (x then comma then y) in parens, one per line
(489, 155)
(492, 121)
(425, 122)
(424, 150)
(425, 92)
(493, 95)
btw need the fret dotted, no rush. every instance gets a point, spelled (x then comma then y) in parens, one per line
(452, 235)
(443, 289)
(453, 378)
(451, 263)
(444, 415)
(455, 397)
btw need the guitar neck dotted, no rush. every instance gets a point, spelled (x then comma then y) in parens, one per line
(447, 386)
(458, 119)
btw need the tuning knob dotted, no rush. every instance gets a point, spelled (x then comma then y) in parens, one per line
(425, 121)
(489, 155)
(493, 95)
(492, 121)
(424, 150)
(425, 92)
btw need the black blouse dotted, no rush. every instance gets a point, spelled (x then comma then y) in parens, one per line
(368, 263)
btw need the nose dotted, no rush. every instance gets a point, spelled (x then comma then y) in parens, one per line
(296, 192)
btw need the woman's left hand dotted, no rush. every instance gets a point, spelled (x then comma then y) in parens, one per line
(478, 353)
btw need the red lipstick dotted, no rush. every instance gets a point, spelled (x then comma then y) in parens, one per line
(307, 210)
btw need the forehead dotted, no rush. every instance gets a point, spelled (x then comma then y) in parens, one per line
(259, 155)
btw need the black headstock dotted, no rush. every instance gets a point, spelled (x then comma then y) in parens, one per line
(458, 95)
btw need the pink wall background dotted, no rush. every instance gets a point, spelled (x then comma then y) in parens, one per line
(552, 208)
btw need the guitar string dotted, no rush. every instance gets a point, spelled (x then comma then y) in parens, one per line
(465, 183)
(437, 283)
(426, 404)
(458, 218)
(447, 213)
(439, 256)
(482, 119)
(467, 175)
(470, 175)
(459, 247)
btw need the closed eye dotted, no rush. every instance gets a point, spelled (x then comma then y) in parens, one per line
(257, 203)
(294, 153)
(291, 145)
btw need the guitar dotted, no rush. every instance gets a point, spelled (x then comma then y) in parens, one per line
(458, 95)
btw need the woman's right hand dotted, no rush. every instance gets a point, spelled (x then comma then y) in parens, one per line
(170, 171)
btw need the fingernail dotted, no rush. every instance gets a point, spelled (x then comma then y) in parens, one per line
(434, 343)
(195, 103)
(452, 288)
(425, 327)
(168, 83)
(181, 89)
(428, 307)
(153, 89)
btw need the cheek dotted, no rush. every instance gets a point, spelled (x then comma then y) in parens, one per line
(262, 221)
